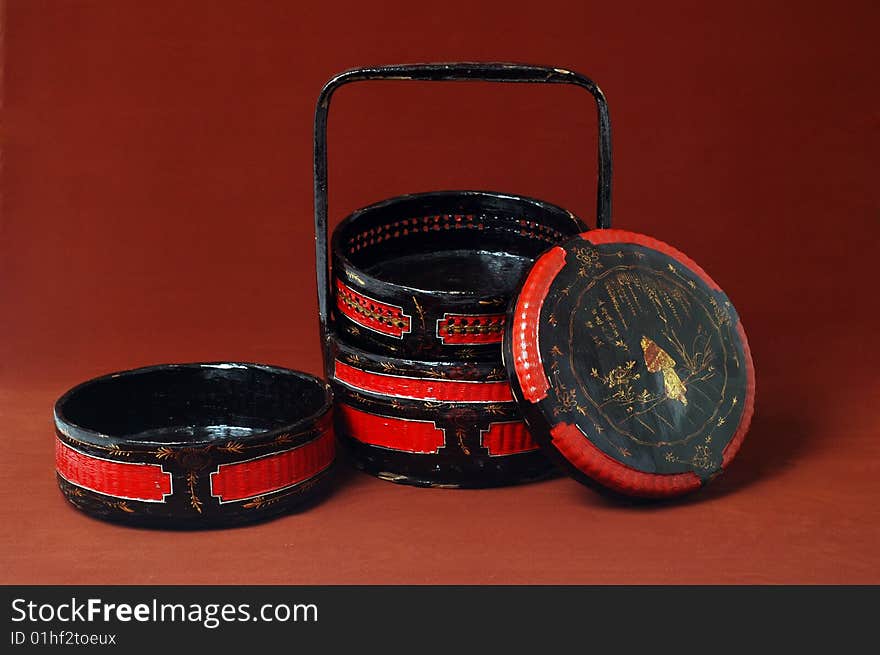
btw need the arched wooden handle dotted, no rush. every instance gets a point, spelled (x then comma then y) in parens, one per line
(456, 72)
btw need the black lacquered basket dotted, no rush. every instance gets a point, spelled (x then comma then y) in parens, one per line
(447, 424)
(418, 293)
(430, 275)
(194, 445)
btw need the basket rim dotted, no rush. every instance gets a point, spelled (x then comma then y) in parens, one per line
(371, 282)
(71, 429)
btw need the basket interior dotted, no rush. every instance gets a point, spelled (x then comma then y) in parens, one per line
(454, 242)
(194, 402)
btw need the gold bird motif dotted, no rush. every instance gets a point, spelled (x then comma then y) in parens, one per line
(657, 359)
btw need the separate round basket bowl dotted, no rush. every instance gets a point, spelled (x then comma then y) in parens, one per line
(194, 445)
(430, 275)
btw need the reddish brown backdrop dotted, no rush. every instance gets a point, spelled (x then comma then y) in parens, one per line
(157, 207)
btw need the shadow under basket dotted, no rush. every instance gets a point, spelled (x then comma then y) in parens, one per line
(194, 445)
(430, 275)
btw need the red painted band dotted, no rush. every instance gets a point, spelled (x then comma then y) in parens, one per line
(508, 438)
(405, 435)
(271, 473)
(430, 389)
(587, 458)
(372, 314)
(568, 439)
(127, 480)
(526, 354)
(470, 329)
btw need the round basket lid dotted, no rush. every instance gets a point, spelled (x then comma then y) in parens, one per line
(630, 365)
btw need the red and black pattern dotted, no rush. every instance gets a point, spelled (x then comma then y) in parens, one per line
(448, 259)
(424, 437)
(435, 424)
(153, 480)
(374, 315)
(630, 365)
(470, 329)
(429, 276)
(121, 465)
(416, 386)
(141, 481)
(402, 435)
(269, 474)
(508, 438)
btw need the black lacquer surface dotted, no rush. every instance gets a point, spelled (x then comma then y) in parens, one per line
(462, 461)
(186, 420)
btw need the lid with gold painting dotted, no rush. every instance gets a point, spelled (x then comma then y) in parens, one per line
(630, 365)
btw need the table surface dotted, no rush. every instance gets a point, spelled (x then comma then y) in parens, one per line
(157, 207)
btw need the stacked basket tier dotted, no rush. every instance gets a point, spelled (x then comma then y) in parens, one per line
(420, 290)
(430, 276)
(432, 423)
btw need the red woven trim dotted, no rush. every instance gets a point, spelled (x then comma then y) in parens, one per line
(623, 236)
(731, 449)
(417, 388)
(127, 480)
(470, 329)
(372, 314)
(405, 435)
(271, 473)
(526, 354)
(508, 438)
(587, 458)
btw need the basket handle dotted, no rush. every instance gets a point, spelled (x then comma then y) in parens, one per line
(465, 71)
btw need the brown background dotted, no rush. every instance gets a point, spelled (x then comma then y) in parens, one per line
(157, 207)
